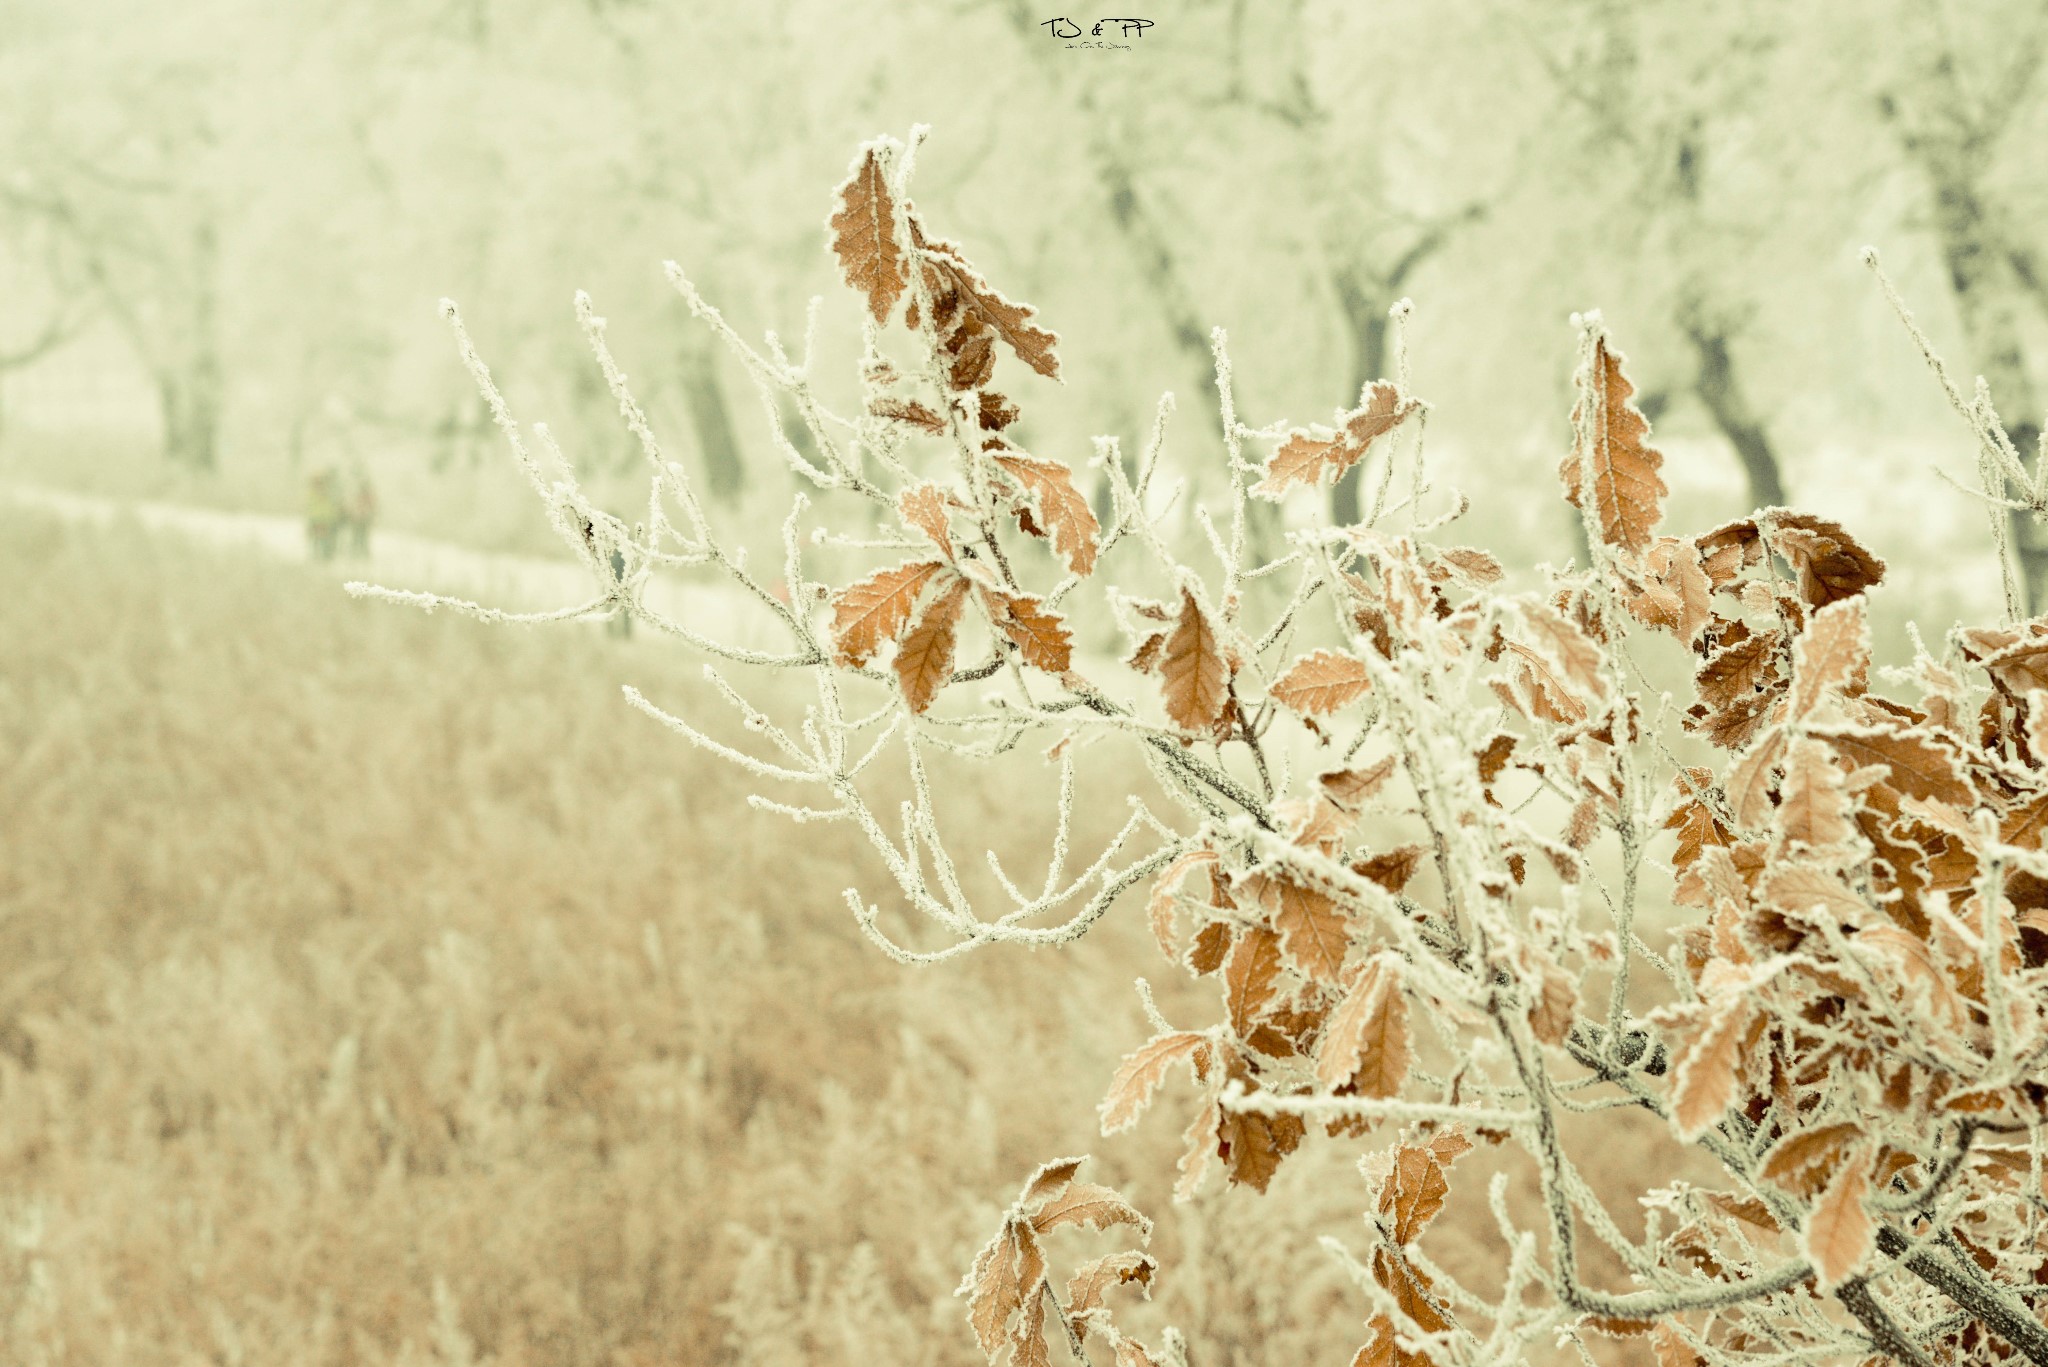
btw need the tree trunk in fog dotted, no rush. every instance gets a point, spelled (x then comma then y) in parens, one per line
(189, 388)
(1721, 391)
(1952, 141)
(711, 420)
(1986, 311)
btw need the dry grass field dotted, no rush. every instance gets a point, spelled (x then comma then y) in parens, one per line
(377, 988)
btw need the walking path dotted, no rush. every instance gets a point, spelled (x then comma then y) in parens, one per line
(399, 560)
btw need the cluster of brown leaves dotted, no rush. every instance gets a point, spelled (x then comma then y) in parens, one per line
(1870, 969)
(1010, 1283)
(918, 605)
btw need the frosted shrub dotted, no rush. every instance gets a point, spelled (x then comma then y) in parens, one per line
(1415, 827)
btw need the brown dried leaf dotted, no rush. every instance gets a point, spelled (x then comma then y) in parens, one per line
(1811, 893)
(1040, 636)
(864, 235)
(925, 509)
(1145, 659)
(1166, 890)
(949, 275)
(1313, 931)
(1198, 1144)
(1008, 1268)
(1140, 1074)
(1321, 682)
(1086, 1288)
(1918, 763)
(1467, 564)
(1839, 1232)
(1611, 457)
(1366, 1039)
(1249, 977)
(1068, 522)
(1748, 784)
(1571, 653)
(1739, 670)
(1705, 1074)
(1814, 805)
(1212, 944)
(1086, 1203)
(1353, 788)
(1252, 1145)
(1303, 459)
(924, 662)
(1050, 1180)
(996, 412)
(908, 411)
(1801, 1162)
(1193, 674)
(1391, 869)
(876, 609)
(1699, 827)
(1830, 564)
(1554, 1004)
(1833, 656)
(1413, 1191)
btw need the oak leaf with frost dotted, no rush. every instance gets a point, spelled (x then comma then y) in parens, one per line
(1830, 563)
(1040, 636)
(1193, 673)
(1704, 1075)
(1391, 869)
(1304, 459)
(964, 293)
(1252, 1144)
(1366, 1039)
(864, 235)
(1839, 1232)
(1057, 507)
(1918, 763)
(1143, 1069)
(1831, 656)
(1249, 978)
(908, 411)
(1314, 931)
(1802, 1161)
(1159, 907)
(1321, 682)
(1612, 458)
(877, 608)
(1814, 805)
(924, 661)
(925, 509)
(1086, 1203)
(1085, 1289)
(1568, 651)
(1006, 1270)
(1353, 788)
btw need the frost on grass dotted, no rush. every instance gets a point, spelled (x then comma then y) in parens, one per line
(1407, 827)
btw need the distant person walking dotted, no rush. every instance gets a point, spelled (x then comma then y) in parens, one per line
(359, 512)
(323, 513)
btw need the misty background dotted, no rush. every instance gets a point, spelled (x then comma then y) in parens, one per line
(224, 228)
